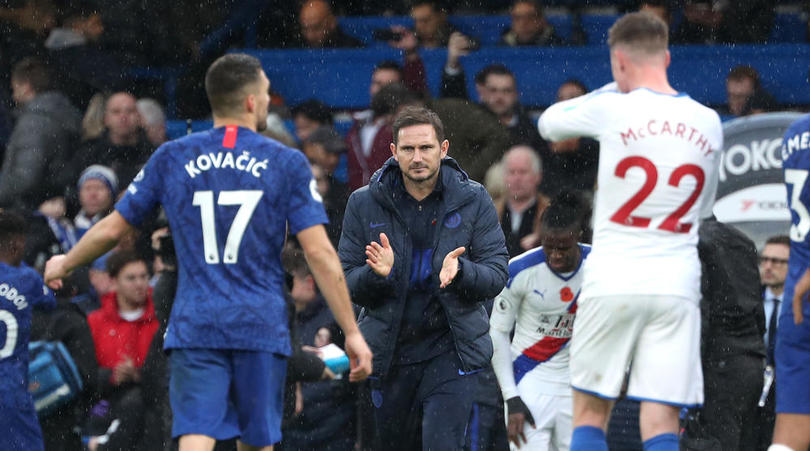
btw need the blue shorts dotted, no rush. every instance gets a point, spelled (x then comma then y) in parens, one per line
(792, 356)
(19, 427)
(225, 393)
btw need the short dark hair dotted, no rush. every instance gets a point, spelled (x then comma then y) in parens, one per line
(417, 115)
(643, 31)
(389, 65)
(576, 82)
(226, 80)
(778, 239)
(12, 225)
(566, 212)
(436, 5)
(534, 4)
(492, 69)
(742, 72)
(119, 259)
(34, 72)
(390, 97)
(13, 230)
(314, 110)
(293, 261)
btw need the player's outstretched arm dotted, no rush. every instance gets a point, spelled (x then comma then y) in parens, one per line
(326, 269)
(799, 295)
(99, 239)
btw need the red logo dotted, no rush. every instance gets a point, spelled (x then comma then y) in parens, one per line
(566, 295)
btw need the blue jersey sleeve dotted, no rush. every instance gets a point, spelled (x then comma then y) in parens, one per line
(143, 194)
(306, 205)
(40, 295)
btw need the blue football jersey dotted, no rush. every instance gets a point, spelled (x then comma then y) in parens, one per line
(229, 194)
(796, 167)
(21, 289)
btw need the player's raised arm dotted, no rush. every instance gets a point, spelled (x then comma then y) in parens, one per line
(326, 270)
(574, 118)
(98, 240)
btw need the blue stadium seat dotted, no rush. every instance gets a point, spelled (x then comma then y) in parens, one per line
(340, 78)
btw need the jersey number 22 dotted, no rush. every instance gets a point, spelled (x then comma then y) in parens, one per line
(673, 222)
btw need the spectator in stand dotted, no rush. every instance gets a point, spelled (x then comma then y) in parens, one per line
(660, 8)
(124, 146)
(98, 188)
(572, 163)
(84, 67)
(153, 120)
(370, 136)
(122, 332)
(324, 147)
(742, 85)
(497, 91)
(93, 120)
(308, 116)
(319, 27)
(327, 420)
(430, 24)
(520, 211)
(739, 22)
(529, 27)
(41, 143)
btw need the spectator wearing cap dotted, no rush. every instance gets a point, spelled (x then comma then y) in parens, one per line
(98, 187)
(324, 148)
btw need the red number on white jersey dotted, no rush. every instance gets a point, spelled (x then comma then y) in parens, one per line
(672, 223)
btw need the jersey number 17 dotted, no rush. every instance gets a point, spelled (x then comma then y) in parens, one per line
(247, 202)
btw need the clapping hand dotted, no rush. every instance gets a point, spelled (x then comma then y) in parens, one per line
(380, 256)
(450, 267)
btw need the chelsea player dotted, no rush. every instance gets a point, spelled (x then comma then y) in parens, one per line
(21, 289)
(230, 195)
(792, 354)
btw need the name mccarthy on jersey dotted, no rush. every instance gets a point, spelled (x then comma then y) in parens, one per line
(655, 127)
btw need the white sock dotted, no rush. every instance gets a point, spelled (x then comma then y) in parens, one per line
(777, 447)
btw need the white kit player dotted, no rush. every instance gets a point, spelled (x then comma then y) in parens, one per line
(539, 303)
(658, 164)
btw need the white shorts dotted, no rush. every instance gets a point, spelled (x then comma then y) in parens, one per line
(658, 337)
(553, 418)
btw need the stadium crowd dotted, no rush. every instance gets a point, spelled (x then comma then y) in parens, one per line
(74, 134)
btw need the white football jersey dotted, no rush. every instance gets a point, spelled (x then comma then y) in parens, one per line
(658, 166)
(540, 305)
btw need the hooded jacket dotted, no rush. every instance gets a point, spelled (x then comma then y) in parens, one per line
(467, 218)
(35, 166)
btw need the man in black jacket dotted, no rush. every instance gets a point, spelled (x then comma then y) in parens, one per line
(422, 250)
(732, 349)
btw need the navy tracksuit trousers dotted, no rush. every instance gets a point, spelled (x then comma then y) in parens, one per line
(425, 405)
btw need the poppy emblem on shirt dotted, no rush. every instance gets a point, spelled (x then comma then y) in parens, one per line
(566, 295)
(453, 221)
